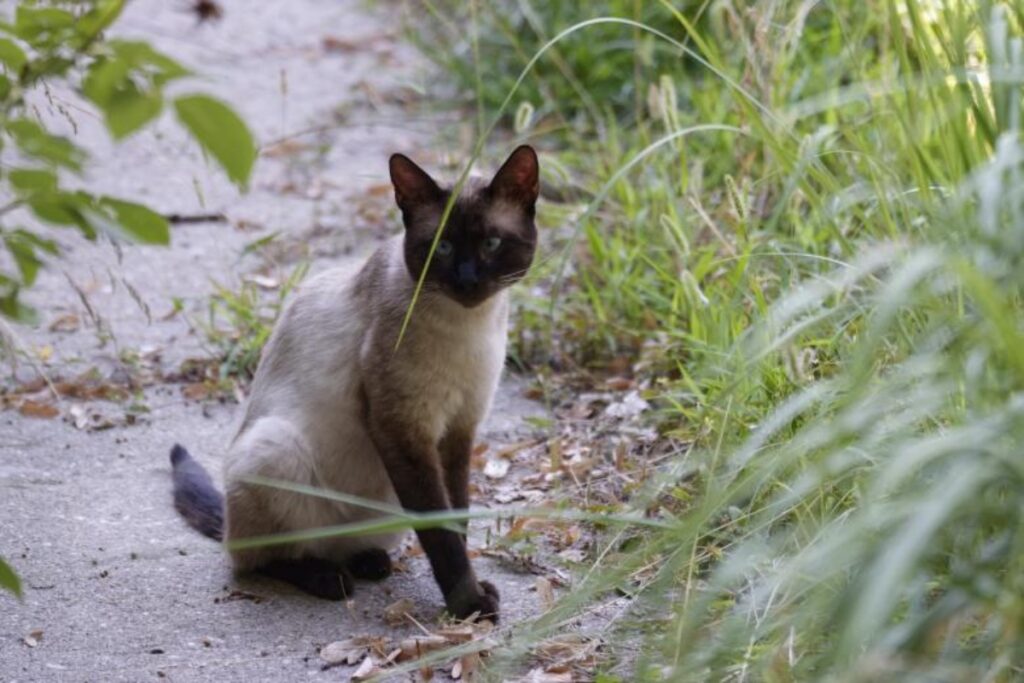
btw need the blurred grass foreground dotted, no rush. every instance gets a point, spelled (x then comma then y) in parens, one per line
(803, 223)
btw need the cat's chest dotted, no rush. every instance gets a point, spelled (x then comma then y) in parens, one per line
(452, 373)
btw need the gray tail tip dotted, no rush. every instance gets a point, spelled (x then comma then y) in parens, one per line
(178, 454)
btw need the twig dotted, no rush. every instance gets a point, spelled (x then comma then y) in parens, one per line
(178, 218)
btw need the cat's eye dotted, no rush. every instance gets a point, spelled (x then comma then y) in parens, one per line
(492, 244)
(444, 248)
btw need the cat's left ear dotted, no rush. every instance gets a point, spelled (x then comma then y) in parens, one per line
(518, 179)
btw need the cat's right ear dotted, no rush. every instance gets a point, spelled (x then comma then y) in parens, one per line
(413, 187)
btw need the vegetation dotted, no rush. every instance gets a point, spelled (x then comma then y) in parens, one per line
(48, 51)
(801, 224)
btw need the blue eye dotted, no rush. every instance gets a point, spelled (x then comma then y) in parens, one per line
(492, 244)
(444, 248)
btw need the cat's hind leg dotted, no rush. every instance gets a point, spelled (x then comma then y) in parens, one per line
(272, 448)
(372, 564)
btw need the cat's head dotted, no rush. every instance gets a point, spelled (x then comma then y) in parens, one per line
(490, 237)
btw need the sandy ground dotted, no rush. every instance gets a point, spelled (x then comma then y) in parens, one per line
(118, 587)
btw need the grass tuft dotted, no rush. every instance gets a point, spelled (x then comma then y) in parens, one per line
(799, 225)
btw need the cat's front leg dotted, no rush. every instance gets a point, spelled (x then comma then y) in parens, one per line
(456, 451)
(413, 463)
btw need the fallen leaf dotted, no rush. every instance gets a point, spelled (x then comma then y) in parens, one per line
(496, 468)
(379, 190)
(464, 633)
(629, 407)
(263, 281)
(468, 665)
(197, 391)
(539, 675)
(417, 646)
(347, 651)
(619, 383)
(44, 353)
(30, 408)
(394, 614)
(545, 591)
(68, 322)
(285, 148)
(366, 670)
(33, 638)
(240, 595)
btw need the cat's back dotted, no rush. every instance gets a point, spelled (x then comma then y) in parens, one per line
(311, 355)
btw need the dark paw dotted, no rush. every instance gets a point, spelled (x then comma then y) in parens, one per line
(319, 578)
(490, 590)
(373, 564)
(334, 585)
(483, 602)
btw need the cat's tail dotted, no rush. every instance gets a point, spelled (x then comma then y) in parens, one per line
(196, 499)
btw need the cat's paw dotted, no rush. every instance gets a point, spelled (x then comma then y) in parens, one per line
(483, 602)
(333, 585)
(373, 564)
(317, 577)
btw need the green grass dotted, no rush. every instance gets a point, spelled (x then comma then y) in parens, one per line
(239, 322)
(802, 225)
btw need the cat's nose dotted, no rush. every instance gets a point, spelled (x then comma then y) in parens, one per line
(466, 275)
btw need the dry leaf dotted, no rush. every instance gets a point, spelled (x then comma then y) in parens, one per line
(417, 646)
(463, 633)
(65, 323)
(263, 281)
(467, 666)
(394, 614)
(30, 408)
(539, 675)
(366, 670)
(33, 638)
(285, 148)
(496, 468)
(44, 353)
(197, 391)
(619, 383)
(545, 591)
(629, 407)
(346, 651)
(379, 190)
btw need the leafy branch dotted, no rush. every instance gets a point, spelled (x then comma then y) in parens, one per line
(126, 81)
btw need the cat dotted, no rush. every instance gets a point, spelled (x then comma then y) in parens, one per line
(336, 405)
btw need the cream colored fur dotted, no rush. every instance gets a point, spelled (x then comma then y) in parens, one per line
(305, 419)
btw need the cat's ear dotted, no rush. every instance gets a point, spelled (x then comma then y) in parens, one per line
(413, 187)
(518, 179)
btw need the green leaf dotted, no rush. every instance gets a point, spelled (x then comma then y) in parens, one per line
(220, 132)
(138, 222)
(100, 17)
(49, 246)
(38, 143)
(8, 579)
(129, 110)
(152, 64)
(12, 308)
(63, 208)
(41, 24)
(12, 56)
(126, 85)
(29, 180)
(104, 78)
(24, 255)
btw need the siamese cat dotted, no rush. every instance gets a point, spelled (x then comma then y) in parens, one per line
(336, 405)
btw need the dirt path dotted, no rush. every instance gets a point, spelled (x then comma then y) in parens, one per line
(115, 583)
